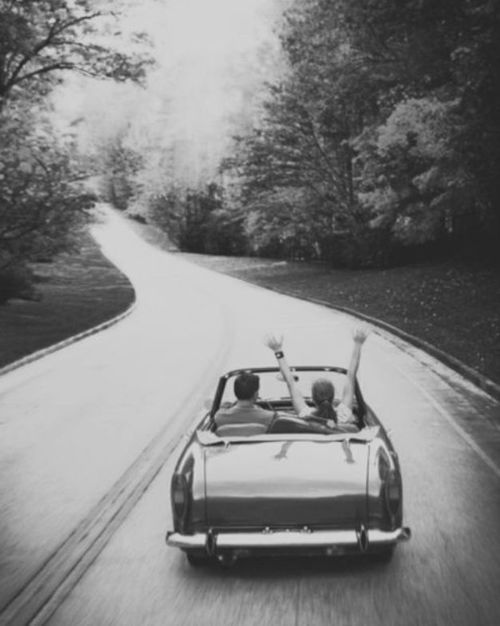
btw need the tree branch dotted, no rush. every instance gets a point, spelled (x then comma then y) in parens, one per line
(322, 152)
(55, 66)
(54, 31)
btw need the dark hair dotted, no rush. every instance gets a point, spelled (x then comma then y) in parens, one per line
(323, 393)
(246, 385)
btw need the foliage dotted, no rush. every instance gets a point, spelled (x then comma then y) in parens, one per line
(297, 166)
(197, 220)
(411, 178)
(41, 38)
(42, 198)
(383, 133)
(17, 281)
(119, 164)
(433, 153)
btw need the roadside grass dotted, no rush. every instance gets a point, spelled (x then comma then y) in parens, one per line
(452, 305)
(78, 291)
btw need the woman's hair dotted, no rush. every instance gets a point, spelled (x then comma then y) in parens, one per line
(323, 393)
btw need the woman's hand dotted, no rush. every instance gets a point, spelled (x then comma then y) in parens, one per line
(360, 333)
(274, 343)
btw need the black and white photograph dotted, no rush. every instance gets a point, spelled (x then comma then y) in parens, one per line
(249, 312)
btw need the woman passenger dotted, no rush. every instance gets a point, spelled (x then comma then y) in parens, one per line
(323, 391)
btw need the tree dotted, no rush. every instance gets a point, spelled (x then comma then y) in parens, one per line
(475, 63)
(42, 198)
(197, 220)
(412, 178)
(430, 160)
(298, 163)
(119, 164)
(383, 131)
(41, 38)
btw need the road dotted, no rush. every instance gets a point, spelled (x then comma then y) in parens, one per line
(73, 422)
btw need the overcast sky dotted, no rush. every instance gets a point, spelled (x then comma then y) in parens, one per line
(210, 61)
(212, 56)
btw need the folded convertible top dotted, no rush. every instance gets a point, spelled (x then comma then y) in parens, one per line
(206, 438)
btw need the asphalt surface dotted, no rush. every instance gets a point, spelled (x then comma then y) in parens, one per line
(72, 423)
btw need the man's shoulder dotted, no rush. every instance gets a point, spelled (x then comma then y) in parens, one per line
(224, 414)
(226, 410)
(261, 411)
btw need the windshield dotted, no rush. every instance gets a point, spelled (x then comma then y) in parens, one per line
(273, 387)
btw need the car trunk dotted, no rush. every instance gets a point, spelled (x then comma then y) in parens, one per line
(276, 484)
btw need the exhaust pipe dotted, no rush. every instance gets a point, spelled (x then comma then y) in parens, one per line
(211, 542)
(362, 537)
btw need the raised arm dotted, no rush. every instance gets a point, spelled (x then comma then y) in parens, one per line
(276, 345)
(359, 336)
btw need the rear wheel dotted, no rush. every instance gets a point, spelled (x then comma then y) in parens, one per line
(383, 554)
(197, 559)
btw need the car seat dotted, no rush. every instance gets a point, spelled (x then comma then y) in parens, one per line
(241, 430)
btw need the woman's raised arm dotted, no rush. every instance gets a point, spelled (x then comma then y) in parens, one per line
(276, 345)
(359, 336)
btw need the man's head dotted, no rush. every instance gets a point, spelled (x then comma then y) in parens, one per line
(246, 386)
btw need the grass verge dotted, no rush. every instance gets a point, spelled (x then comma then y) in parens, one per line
(453, 306)
(78, 291)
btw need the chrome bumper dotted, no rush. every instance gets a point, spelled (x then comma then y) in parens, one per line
(212, 542)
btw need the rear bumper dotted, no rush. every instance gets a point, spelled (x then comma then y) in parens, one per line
(214, 542)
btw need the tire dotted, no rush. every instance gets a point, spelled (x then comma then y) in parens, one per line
(197, 559)
(383, 554)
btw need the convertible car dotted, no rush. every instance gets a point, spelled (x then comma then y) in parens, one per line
(297, 486)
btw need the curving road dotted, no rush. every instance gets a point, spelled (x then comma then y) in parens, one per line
(72, 423)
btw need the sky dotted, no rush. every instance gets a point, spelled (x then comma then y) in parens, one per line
(210, 65)
(212, 57)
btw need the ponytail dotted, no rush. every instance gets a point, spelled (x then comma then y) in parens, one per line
(326, 411)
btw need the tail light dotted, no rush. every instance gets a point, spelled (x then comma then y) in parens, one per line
(391, 488)
(179, 496)
(393, 492)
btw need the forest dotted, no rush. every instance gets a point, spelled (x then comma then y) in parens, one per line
(379, 145)
(373, 138)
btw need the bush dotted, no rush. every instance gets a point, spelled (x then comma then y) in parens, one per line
(197, 221)
(41, 201)
(17, 282)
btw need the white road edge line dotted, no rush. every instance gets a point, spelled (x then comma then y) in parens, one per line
(451, 421)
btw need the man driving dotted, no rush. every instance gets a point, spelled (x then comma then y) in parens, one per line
(245, 410)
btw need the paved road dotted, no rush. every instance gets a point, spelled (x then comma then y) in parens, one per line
(72, 423)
